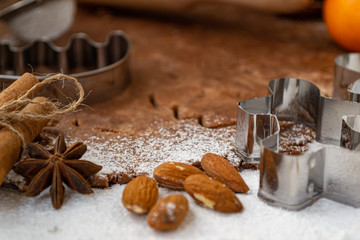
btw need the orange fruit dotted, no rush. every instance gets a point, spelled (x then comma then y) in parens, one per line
(342, 18)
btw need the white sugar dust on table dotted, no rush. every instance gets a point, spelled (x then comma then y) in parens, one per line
(184, 142)
(102, 216)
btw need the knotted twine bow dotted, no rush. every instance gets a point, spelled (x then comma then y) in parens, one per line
(8, 114)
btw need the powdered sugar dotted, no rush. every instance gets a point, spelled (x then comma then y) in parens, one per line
(15, 179)
(170, 211)
(102, 216)
(134, 155)
(184, 142)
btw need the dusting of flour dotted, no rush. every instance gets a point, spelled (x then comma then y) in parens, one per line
(184, 142)
(102, 216)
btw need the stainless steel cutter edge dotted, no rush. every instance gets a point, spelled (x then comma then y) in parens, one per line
(108, 61)
(294, 182)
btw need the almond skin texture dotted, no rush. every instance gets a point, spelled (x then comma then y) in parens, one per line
(212, 194)
(173, 174)
(168, 213)
(220, 169)
(140, 194)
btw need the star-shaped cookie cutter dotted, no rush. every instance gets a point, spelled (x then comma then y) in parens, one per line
(330, 169)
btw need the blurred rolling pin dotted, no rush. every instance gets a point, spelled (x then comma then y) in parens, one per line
(275, 6)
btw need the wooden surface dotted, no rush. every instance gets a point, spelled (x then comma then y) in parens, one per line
(193, 67)
(198, 64)
(201, 63)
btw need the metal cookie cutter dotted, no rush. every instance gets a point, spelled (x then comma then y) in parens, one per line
(347, 71)
(101, 68)
(330, 169)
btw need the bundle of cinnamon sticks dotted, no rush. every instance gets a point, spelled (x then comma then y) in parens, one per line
(10, 143)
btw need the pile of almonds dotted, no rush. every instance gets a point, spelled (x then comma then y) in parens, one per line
(215, 191)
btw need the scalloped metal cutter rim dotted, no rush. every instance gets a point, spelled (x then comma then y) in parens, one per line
(104, 66)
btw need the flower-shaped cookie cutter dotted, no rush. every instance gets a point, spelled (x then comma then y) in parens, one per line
(101, 68)
(330, 170)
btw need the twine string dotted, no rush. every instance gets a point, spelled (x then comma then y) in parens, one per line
(11, 111)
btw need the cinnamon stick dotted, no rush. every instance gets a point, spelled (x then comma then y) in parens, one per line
(10, 144)
(18, 88)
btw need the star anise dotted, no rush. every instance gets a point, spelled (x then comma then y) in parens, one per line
(44, 169)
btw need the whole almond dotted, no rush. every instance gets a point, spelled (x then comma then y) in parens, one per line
(220, 169)
(173, 174)
(169, 212)
(212, 194)
(140, 194)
